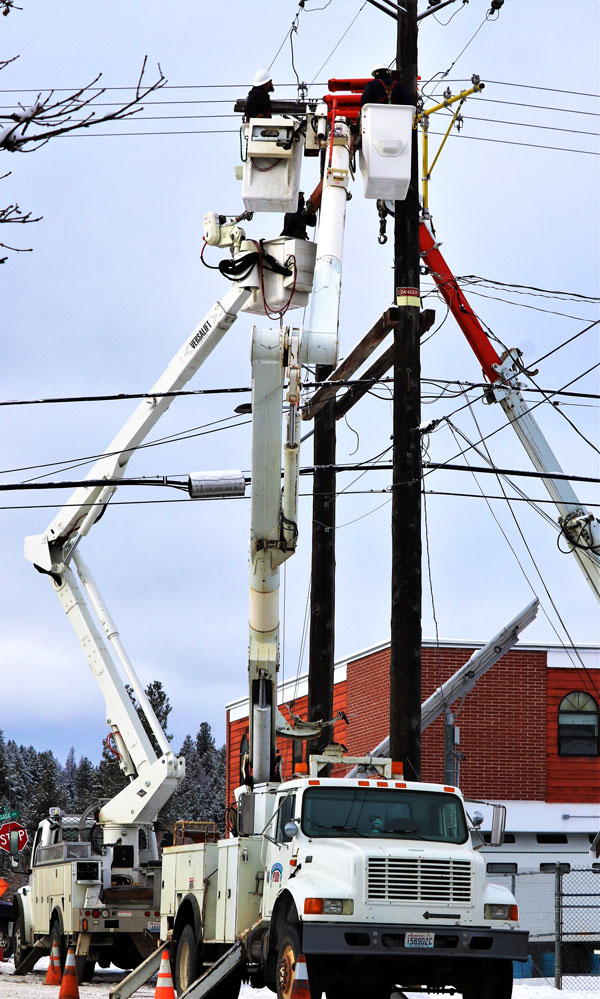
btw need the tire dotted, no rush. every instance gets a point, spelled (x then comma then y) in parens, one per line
(6, 944)
(20, 950)
(490, 980)
(88, 971)
(57, 938)
(186, 959)
(287, 955)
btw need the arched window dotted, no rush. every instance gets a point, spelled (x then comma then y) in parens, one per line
(578, 725)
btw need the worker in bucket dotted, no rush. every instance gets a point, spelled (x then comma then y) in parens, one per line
(383, 89)
(258, 102)
(295, 223)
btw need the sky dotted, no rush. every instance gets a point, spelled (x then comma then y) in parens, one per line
(114, 285)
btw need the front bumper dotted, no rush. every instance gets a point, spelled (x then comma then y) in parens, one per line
(366, 939)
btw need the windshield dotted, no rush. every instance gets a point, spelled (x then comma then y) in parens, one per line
(386, 813)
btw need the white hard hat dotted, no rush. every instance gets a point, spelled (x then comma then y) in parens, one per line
(262, 76)
(379, 66)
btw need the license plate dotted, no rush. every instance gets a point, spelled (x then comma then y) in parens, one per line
(419, 939)
(154, 927)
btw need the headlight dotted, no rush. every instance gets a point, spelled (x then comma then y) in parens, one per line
(329, 906)
(501, 912)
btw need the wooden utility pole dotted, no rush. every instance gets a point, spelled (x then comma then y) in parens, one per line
(322, 602)
(405, 654)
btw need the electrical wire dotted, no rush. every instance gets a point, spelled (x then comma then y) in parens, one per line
(527, 579)
(523, 289)
(565, 343)
(537, 569)
(69, 463)
(308, 495)
(340, 40)
(508, 423)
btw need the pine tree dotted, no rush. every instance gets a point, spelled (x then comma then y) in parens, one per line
(161, 706)
(68, 782)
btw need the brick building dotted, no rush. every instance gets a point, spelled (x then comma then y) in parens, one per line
(528, 731)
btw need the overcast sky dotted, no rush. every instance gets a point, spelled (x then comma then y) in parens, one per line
(114, 285)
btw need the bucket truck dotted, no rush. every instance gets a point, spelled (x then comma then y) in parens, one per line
(375, 880)
(95, 879)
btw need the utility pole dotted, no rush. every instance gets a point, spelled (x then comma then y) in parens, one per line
(405, 652)
(322, 597)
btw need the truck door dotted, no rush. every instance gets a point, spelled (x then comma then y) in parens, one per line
(278, 853)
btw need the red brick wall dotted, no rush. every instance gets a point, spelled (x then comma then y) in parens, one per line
(501, 723)
(508, 726)
(236, 730)
(570, 778)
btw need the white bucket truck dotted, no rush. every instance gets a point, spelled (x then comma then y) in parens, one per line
(374, 879)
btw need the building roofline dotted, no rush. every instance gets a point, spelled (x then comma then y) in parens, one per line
(340, 666)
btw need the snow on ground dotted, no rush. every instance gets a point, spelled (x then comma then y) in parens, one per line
(32, 987)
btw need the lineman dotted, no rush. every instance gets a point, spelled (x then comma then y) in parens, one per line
(382, 89)
(258, 102)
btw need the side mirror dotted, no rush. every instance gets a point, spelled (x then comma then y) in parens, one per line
(290, 829)
(477, 819)
(14, 843)
(498, 825)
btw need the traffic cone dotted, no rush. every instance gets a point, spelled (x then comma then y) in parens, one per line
(69, 988)
(164, 982)
(300, 986)
(53, 975)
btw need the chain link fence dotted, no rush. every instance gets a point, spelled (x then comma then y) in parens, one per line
(560, 907)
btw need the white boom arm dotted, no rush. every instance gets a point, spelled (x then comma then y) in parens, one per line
(152, 780)
(274, 519)
(87, 503)
(465, 678)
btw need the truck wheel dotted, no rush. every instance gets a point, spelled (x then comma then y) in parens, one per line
(287, 954)
(20, 950)
(57, 938)
(6, 944)
(491, 980)
(186, 960)
(88, 971)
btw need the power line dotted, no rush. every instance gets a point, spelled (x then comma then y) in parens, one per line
(162, 480)
(566, 342)
(241, 389)
(342, 492)
(503, 426)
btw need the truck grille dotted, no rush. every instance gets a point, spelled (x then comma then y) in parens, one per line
(396, 879)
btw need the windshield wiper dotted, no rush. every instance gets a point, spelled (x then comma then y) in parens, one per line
(345, 829)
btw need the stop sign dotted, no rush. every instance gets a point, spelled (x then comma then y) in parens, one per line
(5, 831)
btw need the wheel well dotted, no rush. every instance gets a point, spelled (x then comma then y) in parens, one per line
(284, 913)
(57, 917)
(188, 912)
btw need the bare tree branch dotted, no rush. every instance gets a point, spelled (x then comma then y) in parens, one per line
(5, 7)
(33, 126)
(12, 213)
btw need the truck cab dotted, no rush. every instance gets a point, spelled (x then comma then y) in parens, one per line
(373, 878)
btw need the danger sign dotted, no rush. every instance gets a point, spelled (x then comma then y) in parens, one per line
(5, 832)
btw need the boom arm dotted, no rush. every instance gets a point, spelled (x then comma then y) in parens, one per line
(152, 780)
(580, 528)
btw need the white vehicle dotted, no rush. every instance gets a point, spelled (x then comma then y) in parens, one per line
(374, 879)
(95, 879)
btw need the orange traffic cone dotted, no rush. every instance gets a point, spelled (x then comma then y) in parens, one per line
(164, 983)
(53, 975)
(69, 988)
(300, 986)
